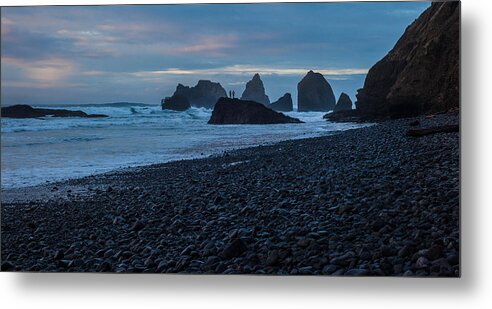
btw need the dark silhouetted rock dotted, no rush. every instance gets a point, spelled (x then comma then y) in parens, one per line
(421, 73)
(204, 94)
(283, 104)
(26, 111)
(351, 115)
(177, 103)
(7, 266)
(344, 103)
(234, 249)
(255, 91)
(235, 111)
(314, 93)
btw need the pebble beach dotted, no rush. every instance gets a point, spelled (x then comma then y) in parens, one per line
(364, 202)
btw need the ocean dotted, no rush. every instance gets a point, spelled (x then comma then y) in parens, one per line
(36, 151)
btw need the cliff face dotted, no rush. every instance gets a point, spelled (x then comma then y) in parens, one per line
(255, 91)
(421, 73)
(314, 93)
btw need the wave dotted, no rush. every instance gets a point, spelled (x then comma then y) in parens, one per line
(136, 116)
(114, 104)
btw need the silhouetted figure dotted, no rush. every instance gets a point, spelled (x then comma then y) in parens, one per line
(233, 94)
(230, 94)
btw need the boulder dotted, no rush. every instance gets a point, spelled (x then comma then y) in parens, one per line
(176, 103)
(26, 111)
(343, 104)
(314, 93)
(204, 94)
(421, 73)
(255, 91)
(283, 104)
(235, 111)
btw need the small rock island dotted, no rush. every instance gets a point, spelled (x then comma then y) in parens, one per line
(27, 111)
(235, 111)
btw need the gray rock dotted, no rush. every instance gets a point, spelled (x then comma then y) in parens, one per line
(272, 258)
(255, 91)
(343, 104)
(357, 272)
(283, 104)
(329, 269)
(177, 103)
(235, 248)
(314, 93)
(138, 225)
(204, 94)
(234, 111)
(7, 266)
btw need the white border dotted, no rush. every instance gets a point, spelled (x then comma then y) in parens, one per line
(473, 290)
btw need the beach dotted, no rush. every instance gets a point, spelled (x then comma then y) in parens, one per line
(366, 201)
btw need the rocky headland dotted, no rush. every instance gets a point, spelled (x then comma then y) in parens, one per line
(421, 73)
(235, 111)
(26, 111)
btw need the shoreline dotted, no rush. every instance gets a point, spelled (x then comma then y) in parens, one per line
(43, 191)
(132, 146)
(367, 201)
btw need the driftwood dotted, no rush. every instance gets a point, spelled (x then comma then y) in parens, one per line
(433, 130)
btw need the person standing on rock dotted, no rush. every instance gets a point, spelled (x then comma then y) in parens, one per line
(230, 94)
(233, 94)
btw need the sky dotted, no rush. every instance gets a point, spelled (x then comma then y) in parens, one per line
(139, 53)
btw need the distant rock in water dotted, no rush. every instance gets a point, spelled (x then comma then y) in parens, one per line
(26, 111)
(235, 111)
(283, 104)
(314, 94)
(343, 104)
(255, 91)
(204, 94)
(421, 73)
(176, 103)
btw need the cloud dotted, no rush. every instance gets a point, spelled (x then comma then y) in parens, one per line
(404, 12)
(46, 73)
(249, 70)
(216, 45)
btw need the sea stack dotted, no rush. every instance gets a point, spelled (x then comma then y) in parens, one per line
(176, 103)
(235, 111)
(283, 104)
(421, 73)
(343, 104)
(314, 94)
(255, 91)
(204, 94)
